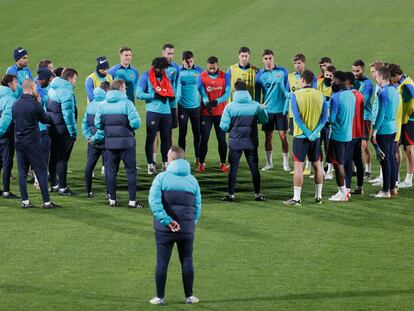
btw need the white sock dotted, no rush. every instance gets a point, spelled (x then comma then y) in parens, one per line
(25, 202)
(358, 187)
(165, 164)
(46, 203)
(307, 164)
(63, 189)
(55, 187)
(409, 178)
(256, 195)
(154, 157)
(131, 203)
(111, 201)
(342, 190)
(329, 171)
(269, 158)
(368, 167)
(231, 196)
(6, 193)
(318, 190)
(296, 193)
(285, 159)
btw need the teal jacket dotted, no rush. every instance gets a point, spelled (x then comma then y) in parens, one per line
(7, 98)
(388, 102)
(62, 106)
(175, 195)
(88, 121)
(240, 118)
(116, 121)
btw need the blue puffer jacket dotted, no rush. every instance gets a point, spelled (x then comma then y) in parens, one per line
(88, 122)
(62, 105)
(175, 195)
(7, 98)
(115, 121)
(240, 118)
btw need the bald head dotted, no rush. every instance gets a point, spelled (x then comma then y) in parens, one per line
(175, 153)
(28, 86)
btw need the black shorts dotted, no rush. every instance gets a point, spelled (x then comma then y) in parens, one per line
(367, 130)
(277, 121)
(407, 134)
(303, 147)
(336, 152)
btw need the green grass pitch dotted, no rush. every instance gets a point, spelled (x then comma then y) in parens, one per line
(248, 256)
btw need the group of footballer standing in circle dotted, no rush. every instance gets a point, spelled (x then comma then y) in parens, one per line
(340, 111)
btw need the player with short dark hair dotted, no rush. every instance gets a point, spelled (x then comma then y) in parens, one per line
(272, 83)
(405, 87)
(323, 64)
(63, 131)
(373, 71)
(188, 99)
(384, 130)
(295, 84)
(243, 71)
(126, 72)
(365, 86)
(8, 89)
(310, 112)
(353, 150)
(324, 85)
(240, 119)
(342, 109)
(214, 87)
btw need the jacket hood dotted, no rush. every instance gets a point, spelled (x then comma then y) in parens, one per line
(6, 91)
(241, 96)
(115, 96)
(179, 167)
(60, 83)
(99, 94)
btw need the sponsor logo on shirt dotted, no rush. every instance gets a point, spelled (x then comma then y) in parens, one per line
(212, 88)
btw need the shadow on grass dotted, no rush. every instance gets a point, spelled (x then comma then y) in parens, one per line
(372, 217)
(317, 296)
(103, 220)
(27, 289)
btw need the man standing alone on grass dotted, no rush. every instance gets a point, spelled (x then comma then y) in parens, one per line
(175, 201)
(240, 118)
